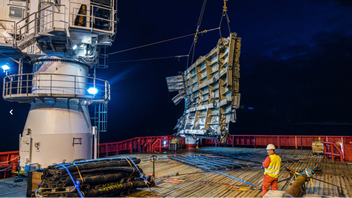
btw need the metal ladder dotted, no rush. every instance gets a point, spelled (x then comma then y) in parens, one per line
(101, 116)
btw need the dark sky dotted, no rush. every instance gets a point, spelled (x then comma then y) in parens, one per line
(296, 67)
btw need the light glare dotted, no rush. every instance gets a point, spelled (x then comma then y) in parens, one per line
(93, 90)
(5, 67)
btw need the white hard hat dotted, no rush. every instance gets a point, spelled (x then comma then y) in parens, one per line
(270, 147)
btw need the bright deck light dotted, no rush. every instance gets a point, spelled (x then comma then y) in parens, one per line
(5, 67)
(93, 90)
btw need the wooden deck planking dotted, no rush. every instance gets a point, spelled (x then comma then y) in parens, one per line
(198, 183)
(8, 188)
(333, 172)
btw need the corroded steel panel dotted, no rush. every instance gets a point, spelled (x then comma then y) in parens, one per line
(211, 91)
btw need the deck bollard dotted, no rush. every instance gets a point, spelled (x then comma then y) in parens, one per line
(152, 159)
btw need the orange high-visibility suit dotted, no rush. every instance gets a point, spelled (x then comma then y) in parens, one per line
(272, 168)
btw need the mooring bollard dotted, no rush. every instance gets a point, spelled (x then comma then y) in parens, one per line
(152, 159)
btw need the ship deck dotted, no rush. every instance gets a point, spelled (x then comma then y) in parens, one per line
(175, 179)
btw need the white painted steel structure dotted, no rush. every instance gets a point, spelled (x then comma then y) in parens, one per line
(61, 39)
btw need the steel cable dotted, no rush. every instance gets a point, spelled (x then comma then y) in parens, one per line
(147, 59)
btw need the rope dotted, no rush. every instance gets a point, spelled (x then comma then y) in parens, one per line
(79, 173)
(147, 59)
(11, 160)
(332, 184)
(5, 169)
(130, 165)
(241, 180)
(145, 181)
(311, 181)
(128, 158)
(76, 183)
(285, 179)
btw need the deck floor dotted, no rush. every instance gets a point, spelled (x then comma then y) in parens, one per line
(174, 179)
(194, 182)
(8, 188)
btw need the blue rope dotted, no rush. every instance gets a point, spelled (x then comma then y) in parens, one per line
(241, 180)
(76, 183)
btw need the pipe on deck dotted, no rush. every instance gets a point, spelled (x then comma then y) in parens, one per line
(296, 186)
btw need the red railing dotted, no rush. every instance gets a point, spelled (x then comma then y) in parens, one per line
(158, 143)
(139, 144)
(333, 152)
(280, 141)
(8, 163)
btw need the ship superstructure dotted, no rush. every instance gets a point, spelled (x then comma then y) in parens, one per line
(64, 41)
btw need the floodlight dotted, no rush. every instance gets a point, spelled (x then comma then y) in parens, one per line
(74, 47)
(93, 90)
(5, 67)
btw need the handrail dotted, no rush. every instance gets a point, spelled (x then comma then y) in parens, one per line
(89, 25)
(332, 146)
(14, 30)
(106, 148)
(38, 26)
(36, 21)
(22, 87)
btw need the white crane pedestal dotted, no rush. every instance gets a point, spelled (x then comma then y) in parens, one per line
(63, 41)
(56, 131)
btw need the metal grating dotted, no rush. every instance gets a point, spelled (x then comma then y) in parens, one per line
(252, 157)
(209, 163)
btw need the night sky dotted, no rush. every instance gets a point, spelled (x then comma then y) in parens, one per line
(296, 67)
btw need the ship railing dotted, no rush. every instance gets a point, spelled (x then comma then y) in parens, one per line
(46, 19)
(92, 17)
(95, 18)
(8, 32)
(30, 86)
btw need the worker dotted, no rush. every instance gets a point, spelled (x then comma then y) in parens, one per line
(272, 168)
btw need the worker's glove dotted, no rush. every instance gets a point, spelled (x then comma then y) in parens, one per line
(262, 167)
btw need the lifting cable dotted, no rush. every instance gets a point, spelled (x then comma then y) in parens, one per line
(224, 13)
(193, 46)
(163, 41)
(147, 59)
